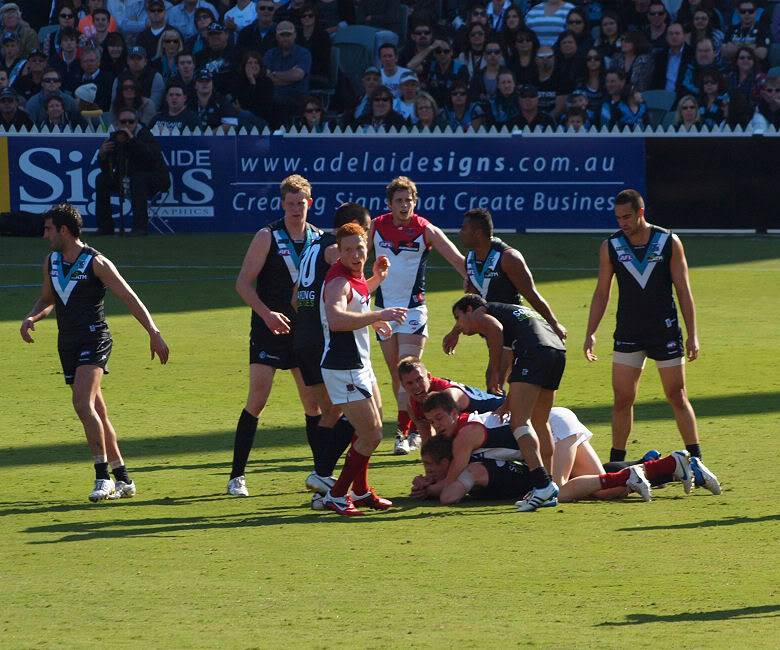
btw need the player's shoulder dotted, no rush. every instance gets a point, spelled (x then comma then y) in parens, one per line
(336, 271)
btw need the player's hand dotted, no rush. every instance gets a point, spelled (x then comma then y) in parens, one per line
(419, 485)
(382, 328)
(503, 410)
(590, 342)
(560, 331)
(106, 148)
(278, 323)
(449, 341)
(397, 314)
(468, 287)
(159, 347)
(27, 325)
(692, 348)
(381, 266)
(494, 384)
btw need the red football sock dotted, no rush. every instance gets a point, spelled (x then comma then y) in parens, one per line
(360, 482)
(404, 421)
(654, 468)
(614, 479)
(355, 464)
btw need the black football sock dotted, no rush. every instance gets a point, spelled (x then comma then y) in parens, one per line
(539, 477)
(101, 471)
(338, 442)
(694, 450)
(314, 440)
(120, 474)
(245, 437)
(617, 455)
(322, 452)
(616, 466)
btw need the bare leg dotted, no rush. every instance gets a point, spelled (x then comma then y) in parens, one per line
(330, 412)
(625, 385)
(261, 379)
(109, 434)
(308, 401)
(85, 387)
(364, 416)
(522, 400)
(673, 381)
(540, 419)
(563, 460)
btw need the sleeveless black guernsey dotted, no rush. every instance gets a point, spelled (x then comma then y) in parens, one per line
(523, 327)
(646, 308)
(311, 276)
(488, 278)
(276, 280)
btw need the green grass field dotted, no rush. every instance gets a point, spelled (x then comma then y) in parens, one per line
(182, 565)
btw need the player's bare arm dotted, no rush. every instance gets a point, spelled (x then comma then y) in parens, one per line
(493, 332)
(467, 440)
(42, 307)
(682, 286)
(342, 320)
(442, 245)
(513, 264)
(108, 274)
(379, 273)
(600, 300)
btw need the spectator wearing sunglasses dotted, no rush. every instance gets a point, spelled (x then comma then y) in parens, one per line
(312, 36)
(149, 38)
(768, 110)
(461, 114)
(184, 16)
(655, 30)
(444, 71)
(380, 115)
(749, 32)
(51, 84)
(530, 114)
(259, 35)
(418, 52)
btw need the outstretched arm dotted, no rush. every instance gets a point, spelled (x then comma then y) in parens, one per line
(341, 320)
(682, 285)
(599, 302)
(493, 332)
(42, 307)
(442, 244)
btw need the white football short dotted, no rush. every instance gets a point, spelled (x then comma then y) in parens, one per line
(345, 386)
(416, 323)
(564, 423)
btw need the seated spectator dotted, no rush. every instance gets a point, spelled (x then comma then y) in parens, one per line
(670, 64)
(767, 111)
(496, 13)
(530, 114)
(130, 16)
(114, 58)
(259, 36)
(609, 41)
(426, 113)
(522, 59)
(634, 15)
(29, 82)
(391, 71)
(512, 24)
(11, 18)
(129, 95)
(477, 13)
(312, 117)
(504, 106)
(3, 78)
(748, 32)
(169, 45)
(78, 7)
(473, 54)
(745, 76)
(687, 116)
(66, 19)
(461, 114)
(688, 9)
(548, 19)
(87, 109)
(655, 30)
(713, 100)
(175, 114)
(484, 84)
(149, 80)
(418, 53)
(184, 17)
(288, 66)
(97, 24)
(371, 81)
(578, 100)
(67, 61)
(615, 83)
(635, 60)
(380, 115)
(219, 57)
(12, 62)
(51, 84)
(404, 105)
(703, 28)
(240, 15)
(213, 109)
(252, 89)
(150, 37)
(576, 120)
(551, 84)
(203, 20)
(631, 109)
(593, 83)
(703, 60)
(93, 73)
(569, 61)
(335, 14)
(577, 24)
(10, 113)
(444, 72)
(57, 117)
(313, 37)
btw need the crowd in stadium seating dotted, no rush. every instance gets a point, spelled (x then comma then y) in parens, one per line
(685, 64)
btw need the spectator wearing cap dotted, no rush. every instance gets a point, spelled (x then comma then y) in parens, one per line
(10, 113)
(203, 20)
(11, 18)
(28, 83)
(93, 73)
(551, 83)
(749, 32)
(213, 109)
(150, 37)
(578, 101)
(150, 81)
(51, 84)
(380, 115)
(313, 37)
(241, 15)
(129, 95)
(461, 114)
(65, 16)
(130, 16)
(259, 36)
(288, 67)
(530, 114)
(97, 23)
(89, 111)
(219, 57)
(184, 16)
(444, 72)
(371, 80)
(58, 117)
(12, 62)
(404, 105)
(391, 71)
(67, 59)
(175, 114)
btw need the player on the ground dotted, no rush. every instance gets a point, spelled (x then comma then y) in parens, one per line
(406, 238)
(539, 361)
(334, 432)
(265, 282)
(75, 277)
(346, 367)
(647, 261)
(498, 273)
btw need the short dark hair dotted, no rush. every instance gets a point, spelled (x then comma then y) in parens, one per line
(384, 46)
(69, 32)
(54, 97)
(438, 447)
(65, 215)
(184, 53)
(408, 364)
(631, 197)
(473, 300)
(441, 400)
(349, 212)
(176, 82)
(482, 219)
(101, 10)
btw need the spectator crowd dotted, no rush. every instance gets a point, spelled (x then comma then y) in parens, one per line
(499, 63)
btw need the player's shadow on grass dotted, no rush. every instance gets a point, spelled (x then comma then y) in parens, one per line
(696, 617)
(708, 523)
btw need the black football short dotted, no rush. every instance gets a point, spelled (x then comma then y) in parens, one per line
(275, 350)
(507, 481)
(538, 365)
(308, 360)
(658, 349)
(86, 351)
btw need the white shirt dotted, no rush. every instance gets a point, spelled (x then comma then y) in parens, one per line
(394, 82)
(242, 17)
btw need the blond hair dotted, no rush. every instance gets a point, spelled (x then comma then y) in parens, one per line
(295, 184)
(399, 184)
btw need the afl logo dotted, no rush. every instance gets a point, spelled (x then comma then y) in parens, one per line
(626, 258)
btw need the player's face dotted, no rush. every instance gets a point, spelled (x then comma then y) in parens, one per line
(628, 220)
(435, 470)
(51, 235)
(354, 252)
(402, 205)
(417, 384)
(444, 423)
(295, 205)
(468, 234)
(463, 320)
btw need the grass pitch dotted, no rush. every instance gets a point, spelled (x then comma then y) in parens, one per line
(183, 565)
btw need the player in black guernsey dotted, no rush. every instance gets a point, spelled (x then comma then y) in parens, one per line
(647, 261)
(498, 273)
(539, 361)
(265, 282)
(75, 278)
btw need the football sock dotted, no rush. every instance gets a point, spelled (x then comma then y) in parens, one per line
(360, 482)
(616, 466)
(101, 471)
(615, 479)
(120, 474)
(694, 450)
(340, 439)
(354, 464)
(245, 437)
(322, 451)
(616, 455)
(313, 437)
(539, 477)
(655, 468)
(404, 422)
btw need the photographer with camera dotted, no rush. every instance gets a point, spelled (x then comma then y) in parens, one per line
(131, 163)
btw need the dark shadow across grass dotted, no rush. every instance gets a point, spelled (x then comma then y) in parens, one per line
(759, 611)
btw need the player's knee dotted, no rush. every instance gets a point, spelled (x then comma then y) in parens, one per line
(624, 399)
(84, 407)
(678, 398)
